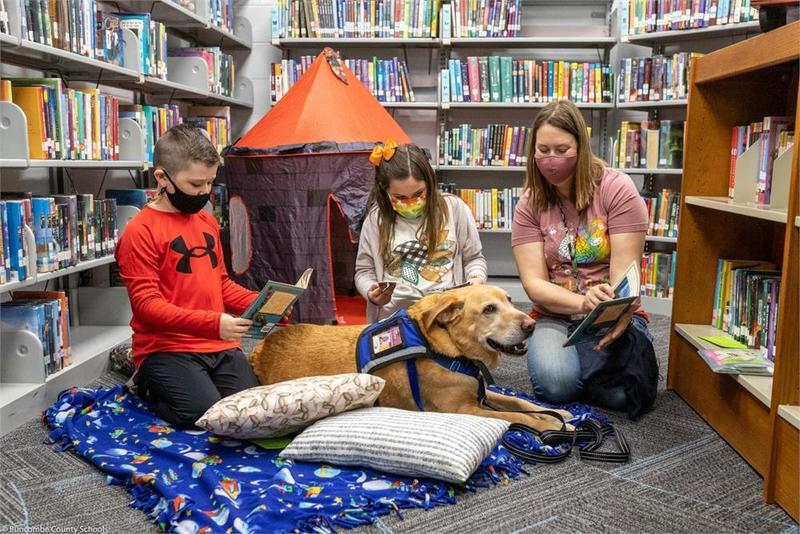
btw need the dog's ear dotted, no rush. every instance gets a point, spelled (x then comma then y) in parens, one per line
(434, 314)
(442, 310)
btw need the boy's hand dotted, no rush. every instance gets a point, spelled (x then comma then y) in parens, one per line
(233, 328)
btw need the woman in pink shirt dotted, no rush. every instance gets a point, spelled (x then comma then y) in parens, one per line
(577, 228)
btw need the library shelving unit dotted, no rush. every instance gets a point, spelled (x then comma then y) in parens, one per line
(711, 37)
(757, 416)
(99, 316)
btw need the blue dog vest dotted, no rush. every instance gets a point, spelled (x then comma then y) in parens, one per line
(398, 338)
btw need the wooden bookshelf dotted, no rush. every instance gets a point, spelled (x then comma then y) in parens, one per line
(735, 85)
(671, 36)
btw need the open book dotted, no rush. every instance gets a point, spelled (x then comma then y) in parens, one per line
(272, 303)
(606, 314)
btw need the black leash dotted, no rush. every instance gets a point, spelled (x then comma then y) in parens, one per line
(589, 433)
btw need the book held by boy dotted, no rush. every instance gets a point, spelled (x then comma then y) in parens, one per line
(272, 303)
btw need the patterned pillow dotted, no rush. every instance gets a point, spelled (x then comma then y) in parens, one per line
(286, 407)
(443, 446)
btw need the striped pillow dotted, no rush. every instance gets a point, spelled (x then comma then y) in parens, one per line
(443, 446)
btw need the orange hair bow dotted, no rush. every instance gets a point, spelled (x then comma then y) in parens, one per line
(383, 153)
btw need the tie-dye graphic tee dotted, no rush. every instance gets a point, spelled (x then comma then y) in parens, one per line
(616, 208)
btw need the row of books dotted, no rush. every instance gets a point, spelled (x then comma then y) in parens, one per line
(746, 302)
(493, 145)
(658, 274)
(776, 136)
(221, 67)
(66, 122)
(663, 213)
(386, 79)
(654, 79)
(216, 120)
(355, 18)
(220, 13)
(648, 145)
(493, 209)
(492, 18)
(505, 79)
(138, 198)
(46, 314)
(152, 36)
(67, 229)
(647, 16)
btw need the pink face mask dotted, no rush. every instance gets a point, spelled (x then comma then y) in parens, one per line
(556, 169)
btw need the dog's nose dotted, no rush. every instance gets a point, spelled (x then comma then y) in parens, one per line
(527, 325)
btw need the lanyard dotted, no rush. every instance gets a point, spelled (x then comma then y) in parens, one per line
(571, 238)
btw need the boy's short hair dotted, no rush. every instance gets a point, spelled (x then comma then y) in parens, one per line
(182, 145)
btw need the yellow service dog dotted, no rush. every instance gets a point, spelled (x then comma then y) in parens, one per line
(478, 322)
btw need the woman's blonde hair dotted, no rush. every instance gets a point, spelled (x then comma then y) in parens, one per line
(589, 170)
(408, 161)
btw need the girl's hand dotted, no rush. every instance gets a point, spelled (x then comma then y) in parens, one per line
(233, 328)
(476, 280)
(618, 328)
(595, 295)
(380, 296)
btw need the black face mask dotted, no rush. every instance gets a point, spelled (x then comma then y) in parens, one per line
(188, 204)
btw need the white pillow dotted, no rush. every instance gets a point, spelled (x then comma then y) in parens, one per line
(446, 447)
(286, 407)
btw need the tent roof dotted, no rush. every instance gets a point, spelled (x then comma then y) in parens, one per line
(321, 107)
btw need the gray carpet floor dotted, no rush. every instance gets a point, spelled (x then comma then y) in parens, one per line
(683, 478)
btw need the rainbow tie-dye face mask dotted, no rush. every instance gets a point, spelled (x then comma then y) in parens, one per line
(410, 208)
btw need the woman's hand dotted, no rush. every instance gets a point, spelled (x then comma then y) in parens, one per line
(618, 328)
(595, 295)
(233, 328)
(380, 296)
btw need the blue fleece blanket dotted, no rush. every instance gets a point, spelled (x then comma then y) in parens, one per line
(194, 481)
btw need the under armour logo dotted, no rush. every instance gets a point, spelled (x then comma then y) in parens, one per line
(179, 246)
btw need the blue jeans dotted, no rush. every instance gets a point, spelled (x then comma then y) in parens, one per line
(555, 371)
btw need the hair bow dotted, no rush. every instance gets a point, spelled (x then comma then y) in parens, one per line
(383, 153)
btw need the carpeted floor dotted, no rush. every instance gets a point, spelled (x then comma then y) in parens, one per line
(683, 478)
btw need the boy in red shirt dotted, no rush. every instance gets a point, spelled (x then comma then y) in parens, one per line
(185, 343)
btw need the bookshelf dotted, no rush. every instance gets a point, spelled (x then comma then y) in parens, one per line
(99, 315)
(746, 29)
(652, 105)
(734, 85)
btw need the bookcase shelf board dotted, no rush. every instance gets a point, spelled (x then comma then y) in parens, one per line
(494, 230)
(728, 205)
(318, 43)
(73, 66)
(660, 239)
(85, 164)
(657, 305)
(649, 171)
(6, 39)
(43, 277)
(652, 105)
(411, 105)
(780, 46)
(516, 105)
(531, 42)
(758, 386)
(790, 414)
(797, 222)
(13, 163)
(660, 38)
(471, 168)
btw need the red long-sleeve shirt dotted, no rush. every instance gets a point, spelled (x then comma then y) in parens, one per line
(173, 267)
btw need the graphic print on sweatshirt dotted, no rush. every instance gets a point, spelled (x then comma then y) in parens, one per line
(187, 253)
